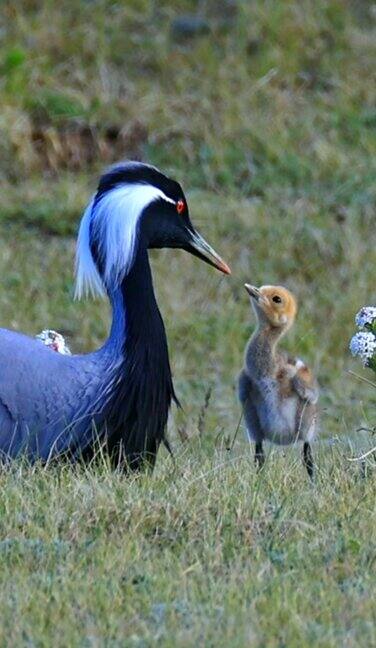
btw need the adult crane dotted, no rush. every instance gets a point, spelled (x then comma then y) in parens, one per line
(53, 404)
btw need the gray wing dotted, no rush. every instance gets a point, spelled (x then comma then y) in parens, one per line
(307, 390)
(306, 393)
(247, 398)
(41, 394)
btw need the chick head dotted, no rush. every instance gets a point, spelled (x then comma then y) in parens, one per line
(273, 305)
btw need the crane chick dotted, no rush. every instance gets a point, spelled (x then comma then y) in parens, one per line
(278, 392)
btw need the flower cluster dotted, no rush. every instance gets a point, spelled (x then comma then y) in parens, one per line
(366, 317)
(53, 341)
(363, 343)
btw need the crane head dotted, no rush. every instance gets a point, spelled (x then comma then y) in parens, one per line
(135, 205)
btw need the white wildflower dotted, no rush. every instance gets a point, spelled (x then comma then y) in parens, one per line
(366, 315)
(54, 341)
(363, 344)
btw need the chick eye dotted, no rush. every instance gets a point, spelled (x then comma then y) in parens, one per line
(180, 206)
(277, 299)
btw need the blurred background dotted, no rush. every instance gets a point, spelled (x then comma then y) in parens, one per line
(264, 111)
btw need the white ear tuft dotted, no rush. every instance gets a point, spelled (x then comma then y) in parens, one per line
(113, 223)
(88, 281)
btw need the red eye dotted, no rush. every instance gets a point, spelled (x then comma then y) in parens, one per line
(180, 206)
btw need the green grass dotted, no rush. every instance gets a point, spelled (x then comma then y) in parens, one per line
(206, 552)
(268, 121)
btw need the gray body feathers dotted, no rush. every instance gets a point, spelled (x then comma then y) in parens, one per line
(278, 404)
(47, 399)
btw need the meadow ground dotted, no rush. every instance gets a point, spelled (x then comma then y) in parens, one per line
(267, 117)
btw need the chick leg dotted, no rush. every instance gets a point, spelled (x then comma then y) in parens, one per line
(259, 455)
(308, 458)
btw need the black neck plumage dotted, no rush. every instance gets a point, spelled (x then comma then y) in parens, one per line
(143, 388)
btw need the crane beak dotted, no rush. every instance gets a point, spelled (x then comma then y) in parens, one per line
(201, 249)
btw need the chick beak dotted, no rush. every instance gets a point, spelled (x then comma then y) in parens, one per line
(200, 248)
(253, 292)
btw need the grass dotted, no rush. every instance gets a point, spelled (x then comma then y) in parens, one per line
(268, 121)
(205, 552)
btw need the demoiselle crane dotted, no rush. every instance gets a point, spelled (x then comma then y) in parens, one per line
(54, 405)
